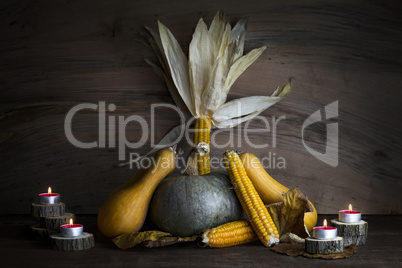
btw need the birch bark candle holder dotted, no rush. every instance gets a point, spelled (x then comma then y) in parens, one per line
(324, 241)
(351, 227)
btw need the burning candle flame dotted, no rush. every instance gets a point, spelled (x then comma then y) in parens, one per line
(350, 208)
(325, 224)
(49, 190)
(71, 222)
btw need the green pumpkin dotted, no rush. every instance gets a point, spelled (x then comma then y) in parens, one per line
(188, 205)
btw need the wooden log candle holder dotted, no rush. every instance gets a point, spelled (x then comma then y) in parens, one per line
(41, 234)
(57, 227)
(324, 246)
(54, 222)
(75, 243)
(352, 232)
(47, 210)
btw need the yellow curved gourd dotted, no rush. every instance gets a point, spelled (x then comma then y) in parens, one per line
(125, 209)
(269, 189)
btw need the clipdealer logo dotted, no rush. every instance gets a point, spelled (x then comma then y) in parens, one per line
(330, 156)
(112, 132)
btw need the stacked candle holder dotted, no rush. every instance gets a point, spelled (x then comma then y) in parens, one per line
(351, 227)
(57, 226)
(325, 240)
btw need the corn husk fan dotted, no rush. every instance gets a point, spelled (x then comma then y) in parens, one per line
(201, 82)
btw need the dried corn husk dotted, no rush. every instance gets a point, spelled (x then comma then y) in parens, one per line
(215, 62)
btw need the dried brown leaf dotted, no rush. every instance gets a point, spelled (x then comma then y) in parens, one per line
(292, 238)
(290, 249)
(168, 240)
(288, 216)
(129, 240)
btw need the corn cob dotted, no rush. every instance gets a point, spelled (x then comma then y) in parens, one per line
(229, 234)
(251, 202)
(202, 134)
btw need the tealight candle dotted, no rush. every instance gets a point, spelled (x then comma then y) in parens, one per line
(49, 198)
(71, 229)
(325, 232)
(325, 240)
(350, 215)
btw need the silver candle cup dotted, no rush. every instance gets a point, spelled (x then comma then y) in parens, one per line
(68, 231)
(49, 199)
(328, 233)
(345, 216)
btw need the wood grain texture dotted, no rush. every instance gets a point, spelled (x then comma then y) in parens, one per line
(383, 249)
(56, 55)
(324, 246)
(41, 234)
(84, 241)
(54, 223)
(47, 210)
(352, 233)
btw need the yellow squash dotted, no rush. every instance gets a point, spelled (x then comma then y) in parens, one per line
(125, 209)
(269, 189)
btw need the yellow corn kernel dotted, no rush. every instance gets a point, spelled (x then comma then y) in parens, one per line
(202, 134)
(196, 132)
(251, 202)
(229, 234)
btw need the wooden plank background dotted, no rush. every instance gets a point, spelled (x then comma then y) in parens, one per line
(57, 54)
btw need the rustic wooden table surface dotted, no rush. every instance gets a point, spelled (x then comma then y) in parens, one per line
(17, 249)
